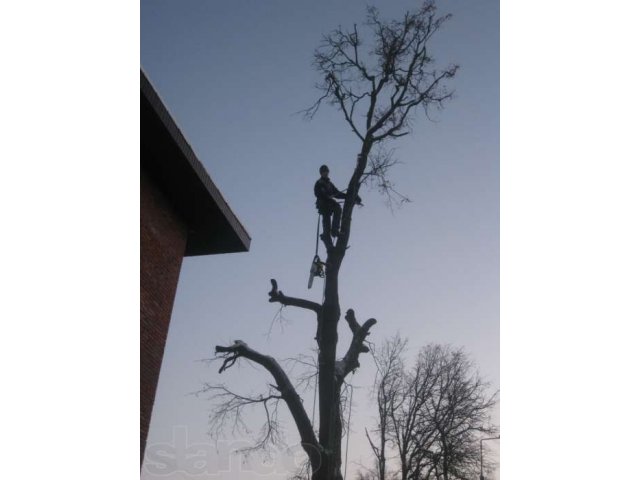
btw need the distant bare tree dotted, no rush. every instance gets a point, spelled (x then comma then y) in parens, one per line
(377, 89)
(433, 416)
(388, 394)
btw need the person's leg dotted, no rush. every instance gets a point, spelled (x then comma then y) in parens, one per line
(326, 222)
(337, 214)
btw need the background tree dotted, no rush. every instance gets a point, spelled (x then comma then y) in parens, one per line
(377, 89)
(434, 416)
(388, 395)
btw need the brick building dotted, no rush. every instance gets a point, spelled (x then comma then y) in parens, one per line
(182, 213)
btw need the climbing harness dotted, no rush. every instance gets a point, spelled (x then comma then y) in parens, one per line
(317, 266)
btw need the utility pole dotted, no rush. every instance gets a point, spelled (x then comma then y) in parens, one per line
(481, 460)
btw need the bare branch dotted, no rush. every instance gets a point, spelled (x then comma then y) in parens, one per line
(350, 361)
(380, 163)
(276, 295)
(306, 378)
(229, 408)
(240, 349)
(278, 318)
(346, 100)
(397, 75)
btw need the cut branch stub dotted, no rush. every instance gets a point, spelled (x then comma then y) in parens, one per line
(350, 317)
(276, 295)
(231, 354)
(350, 361)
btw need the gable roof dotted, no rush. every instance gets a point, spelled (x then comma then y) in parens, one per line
(168, 159)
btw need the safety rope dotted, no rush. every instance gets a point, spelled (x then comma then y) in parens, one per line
(313, 420)
(315, 393)
(317, 235)
(346, 453)
(315, 389)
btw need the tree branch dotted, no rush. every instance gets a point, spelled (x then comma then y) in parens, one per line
(229, 407)
(397, 68)
(343, 99)
(276, 295)
(350, 361)
(240, 349)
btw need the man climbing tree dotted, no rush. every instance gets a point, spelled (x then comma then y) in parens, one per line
(375, 88)
(325, 192)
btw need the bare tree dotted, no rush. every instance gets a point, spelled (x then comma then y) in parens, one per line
(433, 416)
(377, 89)
(388, 395)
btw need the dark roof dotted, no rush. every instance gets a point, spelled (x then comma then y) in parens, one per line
(169, 160)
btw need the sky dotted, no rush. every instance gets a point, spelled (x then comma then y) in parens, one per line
(233, 74)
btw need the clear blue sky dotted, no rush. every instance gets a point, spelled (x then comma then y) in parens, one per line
(233, 74)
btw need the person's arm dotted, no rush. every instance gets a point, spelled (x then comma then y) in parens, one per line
(337, 193)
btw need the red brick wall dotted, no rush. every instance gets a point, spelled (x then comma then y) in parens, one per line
(163, 238)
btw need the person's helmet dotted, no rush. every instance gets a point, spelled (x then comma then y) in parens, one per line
(324, 168)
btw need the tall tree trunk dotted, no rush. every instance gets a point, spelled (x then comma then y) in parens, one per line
(330, 431)
(328, 395)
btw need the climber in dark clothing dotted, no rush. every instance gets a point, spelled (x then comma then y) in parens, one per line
(327, 207)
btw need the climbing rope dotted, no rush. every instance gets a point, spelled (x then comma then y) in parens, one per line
(321, 274)
(313, 420)
(317, 235)
(315, 393)
(346, 453)
(315, 388)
